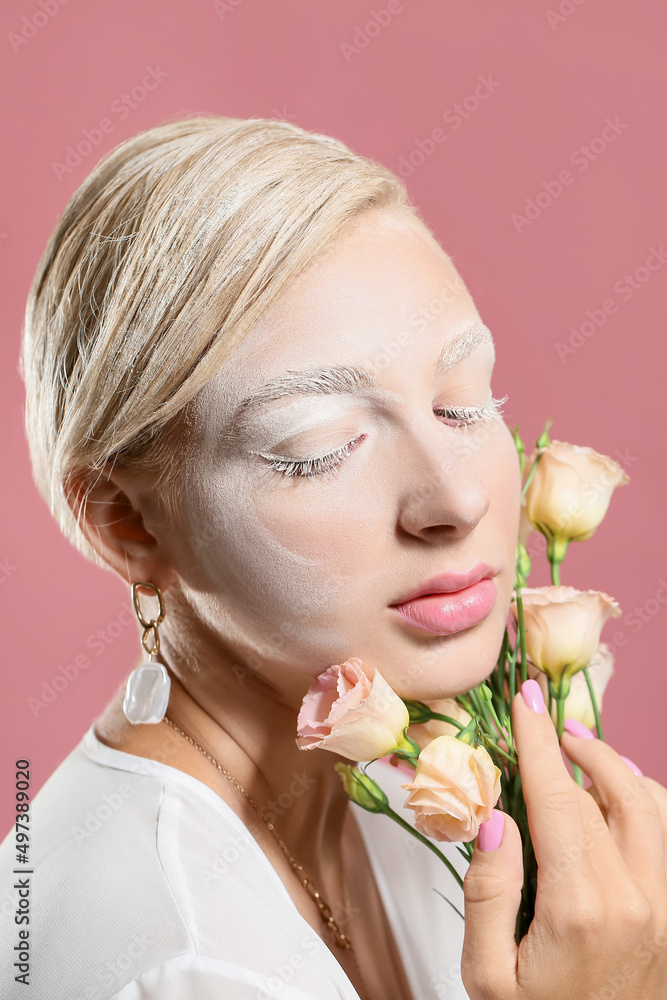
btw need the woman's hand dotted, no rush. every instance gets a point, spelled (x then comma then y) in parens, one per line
(600, 925)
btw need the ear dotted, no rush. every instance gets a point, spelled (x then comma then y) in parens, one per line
(109, 512)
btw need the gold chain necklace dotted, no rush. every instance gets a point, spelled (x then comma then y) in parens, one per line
(341, 939)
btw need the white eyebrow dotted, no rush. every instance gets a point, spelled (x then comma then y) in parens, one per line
(353, 378)
(462, 345)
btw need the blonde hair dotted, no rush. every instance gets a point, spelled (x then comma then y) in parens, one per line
(178, 242)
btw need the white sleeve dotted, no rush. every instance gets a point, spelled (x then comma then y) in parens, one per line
(194, 977)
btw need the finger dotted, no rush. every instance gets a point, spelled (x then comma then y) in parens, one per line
(492, 891)
(553, 799)
(630, 810)
(659, 793)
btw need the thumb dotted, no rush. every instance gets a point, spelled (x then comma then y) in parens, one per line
(492, 892)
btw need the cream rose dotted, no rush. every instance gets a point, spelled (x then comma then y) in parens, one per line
(569, 494)
(578, 703)
(353, 714)
(424, 732)
(454, 789)
(525, 527)
(563, 627)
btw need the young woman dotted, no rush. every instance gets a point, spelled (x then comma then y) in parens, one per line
(257, 386)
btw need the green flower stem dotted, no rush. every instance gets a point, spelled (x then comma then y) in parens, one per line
(560, 715)
(522, 636)
(594, 702)
(527, 846)
(408, 758)
(388, 811)
(524, 915)
(511, 668)
(481, 707)
(507, 756)
(577, 774)
(560, 705)
(508, 727)
(450, 902)
(465, 703)
(447, 718)
(556, 552)
(407, 748)
(531, 473)
(497, 721)
(498, 673)
(503, 649)
(520, 447)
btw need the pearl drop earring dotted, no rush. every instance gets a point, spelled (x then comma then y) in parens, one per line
(148, 686)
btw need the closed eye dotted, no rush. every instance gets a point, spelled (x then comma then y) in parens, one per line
(312, 466)
(465, 416)
(461, 417)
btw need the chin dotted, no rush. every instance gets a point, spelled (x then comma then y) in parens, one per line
(449, 665)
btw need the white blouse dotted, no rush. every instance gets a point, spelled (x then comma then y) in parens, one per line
(146, 884)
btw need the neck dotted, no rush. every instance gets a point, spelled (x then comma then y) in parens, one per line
(253, 738)
(249, 726)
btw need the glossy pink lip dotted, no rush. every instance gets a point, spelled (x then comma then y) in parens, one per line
(448, 583)
(450, 602)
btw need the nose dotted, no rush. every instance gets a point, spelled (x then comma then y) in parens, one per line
(439, 491)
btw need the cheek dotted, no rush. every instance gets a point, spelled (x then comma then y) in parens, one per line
(498, 467)
(502, 478)
(337, 526)
(289, 549)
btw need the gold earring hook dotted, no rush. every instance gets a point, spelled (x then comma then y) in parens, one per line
(149, 625)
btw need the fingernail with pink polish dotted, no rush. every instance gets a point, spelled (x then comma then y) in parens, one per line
(491, 833)
(576, 728)
(633, 767)
(532, 695)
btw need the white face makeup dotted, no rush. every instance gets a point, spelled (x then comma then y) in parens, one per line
(293, 561)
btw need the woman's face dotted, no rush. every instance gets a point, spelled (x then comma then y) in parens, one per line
(293, 562)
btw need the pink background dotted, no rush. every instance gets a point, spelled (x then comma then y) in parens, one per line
(554, 81)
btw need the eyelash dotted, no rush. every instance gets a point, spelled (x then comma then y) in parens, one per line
(467, 416)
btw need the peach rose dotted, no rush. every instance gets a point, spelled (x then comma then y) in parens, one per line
(563, 627)
(570, 491)
(424, 732)
(454, 789)
(353, 714)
